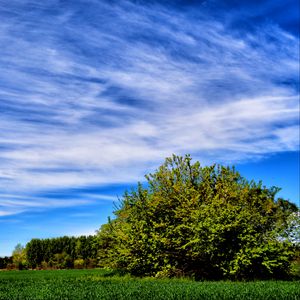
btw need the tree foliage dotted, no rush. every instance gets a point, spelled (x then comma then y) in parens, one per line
(5, 262)
(206, 222)
(62, 252)
(19, 257)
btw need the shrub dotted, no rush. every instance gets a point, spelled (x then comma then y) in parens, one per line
(205, 222)
(78, 263)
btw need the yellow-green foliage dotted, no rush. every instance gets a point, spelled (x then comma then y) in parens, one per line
(19, 257)
(78, 263)
(205, 222)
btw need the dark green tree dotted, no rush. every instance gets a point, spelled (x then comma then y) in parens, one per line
(34, 253)
(61, 252)
(207, 222)
(5, 262)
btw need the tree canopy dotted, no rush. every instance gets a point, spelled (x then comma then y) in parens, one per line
(62, 252)
(207, 222)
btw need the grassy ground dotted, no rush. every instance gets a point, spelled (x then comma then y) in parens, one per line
(101, 284)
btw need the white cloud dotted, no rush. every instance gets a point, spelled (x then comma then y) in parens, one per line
(16, 203)
(109, 104)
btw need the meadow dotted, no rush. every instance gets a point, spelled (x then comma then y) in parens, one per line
(104, 284)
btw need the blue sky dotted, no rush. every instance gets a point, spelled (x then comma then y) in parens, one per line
(95, 94)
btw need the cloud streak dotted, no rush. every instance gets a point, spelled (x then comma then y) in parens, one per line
(98, 93)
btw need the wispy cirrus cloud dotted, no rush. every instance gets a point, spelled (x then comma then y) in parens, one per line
(16, 203)
(98, 93)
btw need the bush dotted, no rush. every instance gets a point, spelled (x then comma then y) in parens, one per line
(205, 222)
(79, 263)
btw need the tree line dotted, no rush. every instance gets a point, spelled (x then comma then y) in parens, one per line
(6, 262)
(55, 253)
(188, 220)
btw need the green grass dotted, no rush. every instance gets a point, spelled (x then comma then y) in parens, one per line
(101, 284)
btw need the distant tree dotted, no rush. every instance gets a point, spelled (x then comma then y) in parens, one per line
(86, 247)
(61, 252)
(5, 261)
(35, 253)
(290, 228)
(19, 257)
(206, 222)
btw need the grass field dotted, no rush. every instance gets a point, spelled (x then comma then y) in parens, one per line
(101, 284)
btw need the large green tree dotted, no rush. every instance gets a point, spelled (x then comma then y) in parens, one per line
(207, 222)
